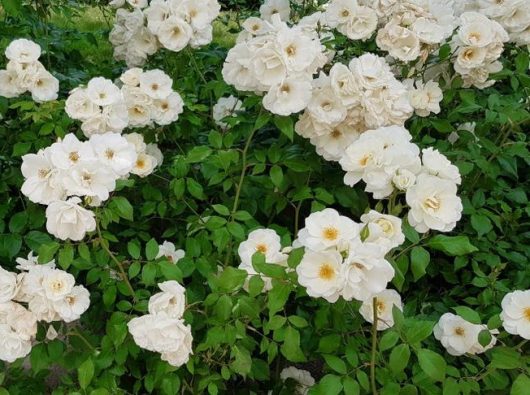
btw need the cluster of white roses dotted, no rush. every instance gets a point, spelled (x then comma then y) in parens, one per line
(352, 99)
(386, 160)
(357, 22)
(100, 107)
(25, 73)
(163, 330)
(413, 30)
(278, 60)
(341, 258)
(50, 294)
(513, 16)
(344, 258)
(172, 24)
(144, 98)
(478, 44)
(149, 97)
(460, 337)
(60, 174)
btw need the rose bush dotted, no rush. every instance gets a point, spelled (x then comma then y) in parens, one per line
(314, 197)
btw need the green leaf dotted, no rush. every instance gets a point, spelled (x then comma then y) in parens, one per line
(285, 124)
(452, 245)
(10, 245)
(416, 331)
(85, 373)
(484, 337)
(133, 247)
(35, 239)
(481, 224)
(12, 7)
(335, 363)
(231, 279)
(505, 358)
(521, 385)
(195, 189)
(291, 346)
(149, 273)
(399, 358)
(433, 364)
(468, 314)
(277, 297)
(122, 207)
(419, 258)
(242, 361)
(350, 386)
(66, 256)
(151, 250)
(276, 174)
(18, 222)
(47, 251)
(220, 209)
(329, 385)
(198, 154)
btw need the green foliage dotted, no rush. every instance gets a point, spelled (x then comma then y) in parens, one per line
(214, 187)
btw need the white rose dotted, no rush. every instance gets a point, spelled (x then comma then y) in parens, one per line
(45, 87)
(159, 332)
(437, 164)
(383, 229)
(457, 335)
(8, 285)
(18, 327)
(168, 250)
(365, 271)
(79, 106)
(72, 305)
(103, 92)
(156, 84)
(327, 228)
(172, 300)
(57, 284)
(265, 241)
(23, 51)
(515, 313)
(384, 301)
(182, 354)
(320, 274)
(291, 96)
(174, 33)
(68, 220)
(434, 204)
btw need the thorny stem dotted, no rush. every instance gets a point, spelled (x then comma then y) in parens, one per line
(374, 348)
(123, 274)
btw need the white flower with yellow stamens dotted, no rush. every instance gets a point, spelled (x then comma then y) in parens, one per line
(384, 301)
(320, 274)
(327, 228)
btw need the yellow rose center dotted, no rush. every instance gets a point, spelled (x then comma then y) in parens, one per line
(527, 313)
(326, 272)
(73, 156)
(261, 248)
(330, 233)
(459, 331)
